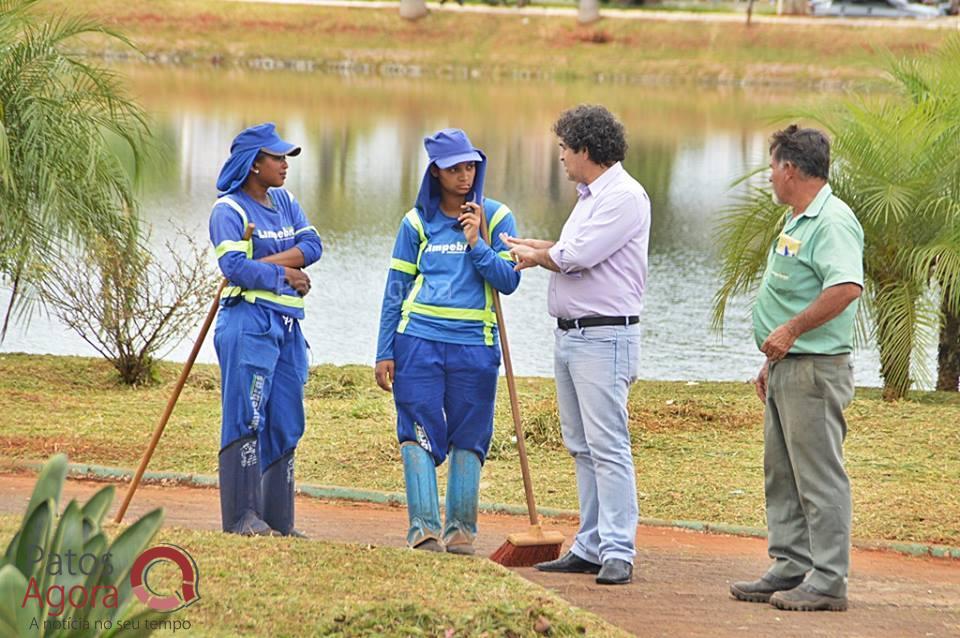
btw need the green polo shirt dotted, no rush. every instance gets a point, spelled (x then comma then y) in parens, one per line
(819, 248)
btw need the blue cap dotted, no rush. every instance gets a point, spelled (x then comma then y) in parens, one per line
(263, 137)
(445, 148)
(244, 150)
(450, 146)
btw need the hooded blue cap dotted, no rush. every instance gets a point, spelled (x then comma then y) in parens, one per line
(446, 148)
(243, 151)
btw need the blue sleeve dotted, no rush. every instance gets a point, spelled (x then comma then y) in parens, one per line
(226, 233)
(494, 262)
(307, 239)
(403, 272)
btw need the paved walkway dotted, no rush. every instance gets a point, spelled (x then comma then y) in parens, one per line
(952, 23)
(681, 577)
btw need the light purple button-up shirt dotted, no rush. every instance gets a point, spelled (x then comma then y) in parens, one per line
(602, 250)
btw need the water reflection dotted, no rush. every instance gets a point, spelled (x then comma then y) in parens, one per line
(362, 163)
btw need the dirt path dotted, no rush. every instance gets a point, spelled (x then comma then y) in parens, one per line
(681, 577)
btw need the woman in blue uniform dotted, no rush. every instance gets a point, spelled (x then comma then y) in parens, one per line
(438, 349)
(262, 353)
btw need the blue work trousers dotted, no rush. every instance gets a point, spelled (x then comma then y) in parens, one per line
(445, 395)
(263, 368)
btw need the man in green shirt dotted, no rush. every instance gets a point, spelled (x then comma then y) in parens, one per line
(803, 322)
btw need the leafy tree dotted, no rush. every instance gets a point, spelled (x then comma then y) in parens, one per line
(61, 180)
(896, 163)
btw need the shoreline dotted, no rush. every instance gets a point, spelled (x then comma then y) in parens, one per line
(508, 44)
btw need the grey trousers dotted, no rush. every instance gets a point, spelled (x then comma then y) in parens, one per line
(809, 508)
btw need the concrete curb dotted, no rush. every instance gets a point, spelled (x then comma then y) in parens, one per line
(333, 492)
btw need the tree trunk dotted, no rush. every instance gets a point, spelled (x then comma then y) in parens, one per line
(589, 11)
(948, 353)
(413, 9)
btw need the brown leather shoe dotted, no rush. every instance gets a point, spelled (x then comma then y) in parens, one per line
(806, 598)
(760, 590)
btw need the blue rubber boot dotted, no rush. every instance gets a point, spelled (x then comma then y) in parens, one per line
(423, 504)
(278, 496)
(463, 497)
(240, 500)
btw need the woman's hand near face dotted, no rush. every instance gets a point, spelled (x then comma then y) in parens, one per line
(470, 220)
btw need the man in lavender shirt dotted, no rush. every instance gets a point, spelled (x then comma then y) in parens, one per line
(596, 291)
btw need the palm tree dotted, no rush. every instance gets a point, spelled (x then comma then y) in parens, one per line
(934, 84)
(61, 119)
(896, 162)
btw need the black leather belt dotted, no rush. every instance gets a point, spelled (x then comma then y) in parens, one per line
(588, 322)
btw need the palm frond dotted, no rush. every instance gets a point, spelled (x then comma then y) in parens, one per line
(61, 181)
(745, 232)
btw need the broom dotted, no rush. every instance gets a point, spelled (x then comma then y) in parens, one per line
(172, 401)
(522, 549)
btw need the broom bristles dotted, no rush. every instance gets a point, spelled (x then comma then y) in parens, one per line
(510, 555)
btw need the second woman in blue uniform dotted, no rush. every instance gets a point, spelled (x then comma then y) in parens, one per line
(438, 347)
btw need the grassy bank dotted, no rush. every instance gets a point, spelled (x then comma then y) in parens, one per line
(243, 593)
(481, 46)
(698, 448)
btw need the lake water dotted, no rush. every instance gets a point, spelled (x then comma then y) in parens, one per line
(362, 162)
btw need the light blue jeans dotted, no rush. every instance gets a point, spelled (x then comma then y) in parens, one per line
(594, 368)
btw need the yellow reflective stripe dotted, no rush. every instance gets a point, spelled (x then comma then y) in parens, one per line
(444, 312)
(506, 254)
(498, 216)
(305, 229)
(413, 217)
(228, 246)
(488, 325)
(232, 203)
(251, 296)
(405, 308)
(403, 266)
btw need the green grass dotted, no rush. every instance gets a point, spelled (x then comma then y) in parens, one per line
(286, 587)
(499, 45)
(698, 449)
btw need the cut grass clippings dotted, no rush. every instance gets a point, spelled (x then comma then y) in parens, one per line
(492, 45)
(698, 449)
(288, 587)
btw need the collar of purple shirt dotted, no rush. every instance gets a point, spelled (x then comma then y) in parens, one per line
(597, 185)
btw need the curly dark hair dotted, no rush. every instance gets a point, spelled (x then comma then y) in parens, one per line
(806, 148)
(593, 127)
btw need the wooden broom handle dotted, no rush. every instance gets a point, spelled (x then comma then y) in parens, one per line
(511, 387)
(175, 395)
